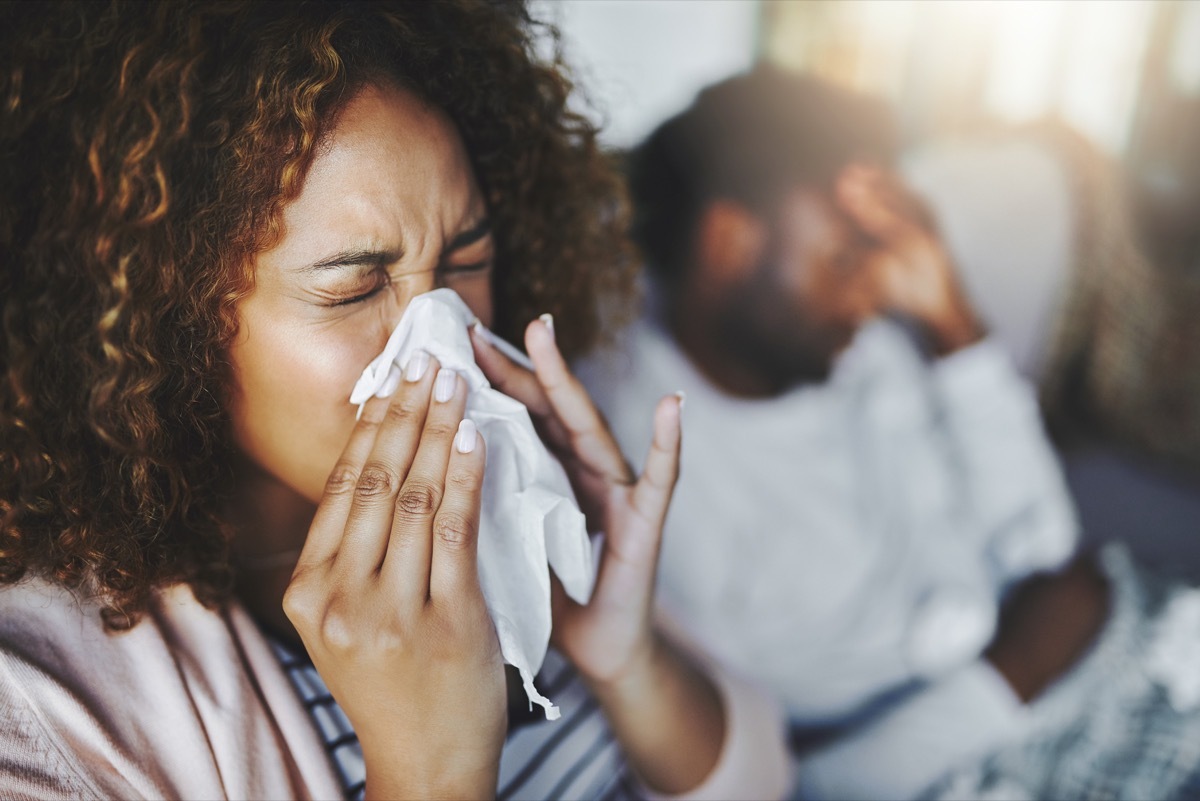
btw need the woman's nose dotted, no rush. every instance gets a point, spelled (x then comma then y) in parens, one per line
(392, 312)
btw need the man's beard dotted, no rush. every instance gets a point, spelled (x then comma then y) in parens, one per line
(765, 329)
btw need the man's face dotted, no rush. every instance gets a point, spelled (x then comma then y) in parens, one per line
(808, 294)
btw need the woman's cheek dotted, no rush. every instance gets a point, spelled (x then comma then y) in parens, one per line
(341, 365)
(315, 416)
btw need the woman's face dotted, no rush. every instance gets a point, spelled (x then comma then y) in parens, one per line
(390, 209)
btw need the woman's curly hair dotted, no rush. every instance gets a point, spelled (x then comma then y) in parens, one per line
(145, 153)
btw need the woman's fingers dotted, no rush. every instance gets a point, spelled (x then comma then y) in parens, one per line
(454, 573)
(652, 493)
(410, 547)
(405, 497)
(519, 383)
(329, 523)
(369, 524)
(507, 376)
(591, 441)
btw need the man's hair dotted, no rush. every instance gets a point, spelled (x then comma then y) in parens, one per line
(748, 139)
(145, 153)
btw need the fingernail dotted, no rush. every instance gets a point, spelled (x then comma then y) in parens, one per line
(390, 383)
(464, 440)
(479, 331)
(444, 384)
(418, 363)
(682, 398)
(548, 319)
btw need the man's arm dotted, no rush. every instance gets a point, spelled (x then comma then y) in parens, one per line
(1013, 490)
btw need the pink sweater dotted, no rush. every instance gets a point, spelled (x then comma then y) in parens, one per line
(192, 704)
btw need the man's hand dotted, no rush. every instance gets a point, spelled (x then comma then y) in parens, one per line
(911, 271)
(1046, 626)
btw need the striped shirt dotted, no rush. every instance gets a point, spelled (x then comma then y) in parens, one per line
(576, 756)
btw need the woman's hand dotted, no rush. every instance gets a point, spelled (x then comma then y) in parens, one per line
(386, 594)
(910, 269)
(613, 633)
(665, 711)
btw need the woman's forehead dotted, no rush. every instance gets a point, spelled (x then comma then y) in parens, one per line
(391, 130)
(393, 167)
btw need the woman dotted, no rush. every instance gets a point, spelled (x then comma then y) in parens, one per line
(212, 218)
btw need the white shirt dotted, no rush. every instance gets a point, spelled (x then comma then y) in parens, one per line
(847, 540)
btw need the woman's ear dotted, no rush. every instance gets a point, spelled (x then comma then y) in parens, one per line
(730, 240)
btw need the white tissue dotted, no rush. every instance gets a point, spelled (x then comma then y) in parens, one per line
(529, 517)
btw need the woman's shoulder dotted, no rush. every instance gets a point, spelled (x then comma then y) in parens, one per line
(40, 619)
(162, 709)
(62, 629)
(54, 656)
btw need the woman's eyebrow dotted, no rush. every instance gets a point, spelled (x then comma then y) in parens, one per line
(359, 257)
(470, 236)
(356, 257)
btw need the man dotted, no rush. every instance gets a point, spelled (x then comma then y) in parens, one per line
(865, 477)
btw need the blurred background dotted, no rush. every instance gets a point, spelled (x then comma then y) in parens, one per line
(1125, 73)
(1059, 144)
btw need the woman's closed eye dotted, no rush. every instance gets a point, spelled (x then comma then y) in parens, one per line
(470, 253)
(451, 270)
(357, 298)
(360, 295)
(360, 292)
(465, 262)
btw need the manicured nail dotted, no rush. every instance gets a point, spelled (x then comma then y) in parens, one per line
(548, 319)
(480, 332)
(390, 383)
(464, 440)
(444, 384)
(418, 363)
(679, 393)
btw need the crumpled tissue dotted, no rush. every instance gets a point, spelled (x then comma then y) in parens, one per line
(529, 517)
